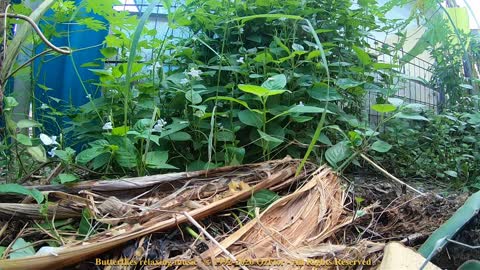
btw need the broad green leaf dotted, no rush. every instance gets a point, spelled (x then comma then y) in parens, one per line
(362, 55)
(348, 83)
(158, 160)
(67, 178)
(24, 139)
(234, 155)
(85, 225)
(179, 136)
(378, 66)
(324, 139)
(174, 127)
(259, 91)
(225, 136)
(90, 153)
(250, 118)
(65, 155)
(120, 131)
(451, 173)
(193, 96)
(381, 146)
(241, 102)
(314, 54)
(275, 82)
(409, 116)
(19, 189)
(126, 154)
(383, 108)
(322, 93)
(26, 123)
(101, 160)
(307, 109)
(261, 199)
(109, 52)
(10, 102)
(396, 102)
(263, 58)
(281, 44)
(253, 89)
(38, 153)
(373, 88)
(269, 138)
(337, 153)
(102, 72)
(21, 249)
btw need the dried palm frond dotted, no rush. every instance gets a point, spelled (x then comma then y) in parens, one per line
(159, 206)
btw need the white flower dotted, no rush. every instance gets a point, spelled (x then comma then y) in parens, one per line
(159, 125)
(184, 81)
(51, 153)
(241, 60)
(44, 106)
(300, 104)
(108, 126)
(48, 140)
(113, 91)
(89, 96)
(241, 30)
(195, 73)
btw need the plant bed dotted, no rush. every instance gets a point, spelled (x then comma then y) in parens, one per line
(314, 216)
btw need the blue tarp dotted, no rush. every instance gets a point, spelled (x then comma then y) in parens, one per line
(57, 73)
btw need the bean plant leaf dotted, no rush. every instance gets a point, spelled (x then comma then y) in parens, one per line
(174, 127)
(85, 222)
(307, 109)
(348, 83)
(272, 142)
(362, 55)
(410, 116)
(378, 66)
(90, 153)
(259, 91)
(250, 118)
(275, 82)
(38, 153)
(19, 189)
(193, 96)
(26, 123)
(322, 93)
(261, 199)
(395, 102)
(241, 102)
(381, 146)
(337, 153)
(126, 154)
(383, 108)
(67, 178)
(24, 139)
(21, 249)
(158, 160)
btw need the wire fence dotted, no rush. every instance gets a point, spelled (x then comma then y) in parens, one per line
(413, 76)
